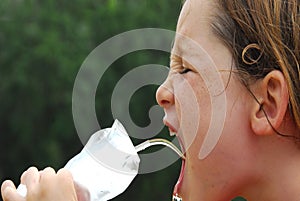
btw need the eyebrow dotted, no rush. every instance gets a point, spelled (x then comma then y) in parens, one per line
(178, 46)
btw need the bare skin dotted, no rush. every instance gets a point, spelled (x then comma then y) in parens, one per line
(250, 159)
(44, 185)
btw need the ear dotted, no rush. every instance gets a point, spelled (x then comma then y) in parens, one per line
(273, 97)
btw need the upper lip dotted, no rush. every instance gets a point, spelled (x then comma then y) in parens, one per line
(174, 130)
(170, 126)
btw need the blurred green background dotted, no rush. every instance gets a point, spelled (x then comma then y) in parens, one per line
(42, 46)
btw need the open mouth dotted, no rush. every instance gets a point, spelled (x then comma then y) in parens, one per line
(159, 141)
(177, 187)
(176, 191)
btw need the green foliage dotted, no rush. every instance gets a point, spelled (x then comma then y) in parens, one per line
(42, 46)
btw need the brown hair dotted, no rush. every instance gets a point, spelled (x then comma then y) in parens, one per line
(263, 35)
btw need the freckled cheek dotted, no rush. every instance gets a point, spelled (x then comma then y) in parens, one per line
(193, 106)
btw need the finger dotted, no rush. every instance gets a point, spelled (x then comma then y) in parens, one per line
(7, 183)
(48, 170)
(47, 177)
(30, 178)
(35, 182)
(9, 192)
(64, 174)
(65, 178)
(31, 175)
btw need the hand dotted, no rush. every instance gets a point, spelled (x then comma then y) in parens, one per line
(45, 185)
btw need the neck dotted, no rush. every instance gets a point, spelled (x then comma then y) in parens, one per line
(280, 175)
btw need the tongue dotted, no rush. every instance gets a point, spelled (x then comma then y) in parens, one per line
(180, 180)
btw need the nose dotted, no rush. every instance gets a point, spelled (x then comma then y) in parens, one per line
(165, 95)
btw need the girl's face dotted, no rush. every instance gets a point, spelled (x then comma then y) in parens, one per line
(208, 110)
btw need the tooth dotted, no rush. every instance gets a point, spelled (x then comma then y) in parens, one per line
(172, 133)
(176, 198)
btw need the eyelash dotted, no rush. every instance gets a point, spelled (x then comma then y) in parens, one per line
(185, 70)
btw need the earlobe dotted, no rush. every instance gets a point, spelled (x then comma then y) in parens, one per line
(269, 113)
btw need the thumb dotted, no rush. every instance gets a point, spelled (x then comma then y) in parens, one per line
(9, 192)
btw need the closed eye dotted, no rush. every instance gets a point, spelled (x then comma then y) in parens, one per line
(185, 70)
(177, 64)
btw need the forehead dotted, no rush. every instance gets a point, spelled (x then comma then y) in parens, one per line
(194, 29)
(195, 11)
(194, 23)
(195, 40)
(185, 46)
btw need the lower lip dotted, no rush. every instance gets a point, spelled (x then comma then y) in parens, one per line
(180, 180)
